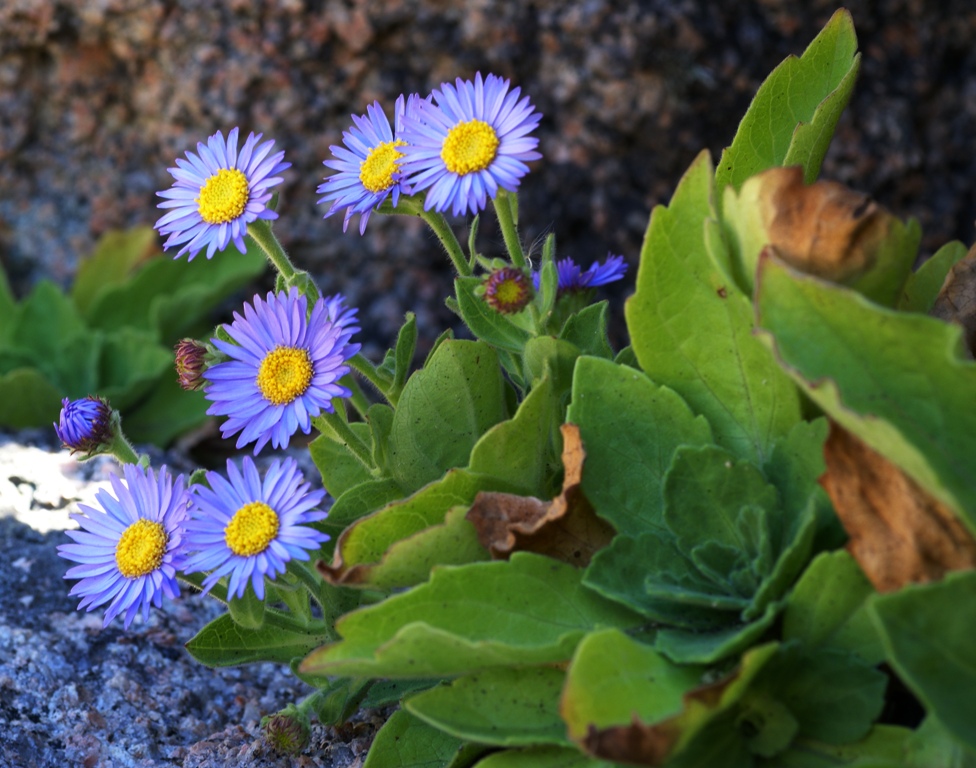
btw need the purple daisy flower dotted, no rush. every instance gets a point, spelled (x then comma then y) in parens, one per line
(572, 278)
(284, 368)
(249, 529)
(472, 142)
(129, 550)
(218, 192)
(85, 424)
(368, 165)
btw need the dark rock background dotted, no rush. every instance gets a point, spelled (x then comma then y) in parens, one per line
(98, 98)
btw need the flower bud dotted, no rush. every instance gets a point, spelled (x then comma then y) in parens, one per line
(508, 290)
(287, 731)
(85, 424)
(190, 364)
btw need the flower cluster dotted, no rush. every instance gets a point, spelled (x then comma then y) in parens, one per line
(131, 546)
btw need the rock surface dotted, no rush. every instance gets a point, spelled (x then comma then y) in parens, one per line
(98, 98)
(75, 694)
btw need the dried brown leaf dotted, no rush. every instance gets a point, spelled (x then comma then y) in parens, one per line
(956, 302)
(565, 528)
(899, 533)
(823, 229)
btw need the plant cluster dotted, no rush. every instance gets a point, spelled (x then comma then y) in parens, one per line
(113, 334)
(719, 545)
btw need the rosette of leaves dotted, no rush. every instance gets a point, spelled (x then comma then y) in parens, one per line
(113, 335)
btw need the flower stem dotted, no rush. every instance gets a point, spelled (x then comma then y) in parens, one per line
(368, 371)
(260, 232)
(506, 220)
(334, 424)
(450, 242)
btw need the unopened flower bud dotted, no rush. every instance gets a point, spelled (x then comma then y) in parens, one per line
(508, 290)
(190, 364)
(287, 731)
(85, 424)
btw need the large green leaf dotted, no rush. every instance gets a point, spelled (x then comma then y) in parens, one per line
(614, 679)
(542, 757)
(828, 607)
(794, 113)
(340, 469)
(928, 631)
(883, 747)
(693, 333)
(526, 611)
(443, 410)
(130, 366)
(896, 380)
(117, 255)
(368, 541)
(28, 399)
(358, 502)
(630, 428)
(500, 707)
(223, 643)
(518, 450)
(404, 741)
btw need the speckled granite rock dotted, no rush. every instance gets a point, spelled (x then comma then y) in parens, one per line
(97, 99)
(75, 694)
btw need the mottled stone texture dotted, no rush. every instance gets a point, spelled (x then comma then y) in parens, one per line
(98, 96)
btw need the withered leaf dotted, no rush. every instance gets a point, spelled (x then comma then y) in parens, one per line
(824, 229)
(643, 744)
(565, 528)
(956, 302)
(899, 533)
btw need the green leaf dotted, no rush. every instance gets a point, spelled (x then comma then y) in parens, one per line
(932, 746)
(692, 333)
(117, 255)
(223, 643)
(382, 693)
(613, 679)
(28, 399)
(794, 113)
(876, 372)
(526, 611)
(443, 410)
(368, 541)
(499, 707)
(339, 467)
(484, 322)
(542, 757)
(828, 608)
(358, 502)
(587, 330)
(518, 451)
(130, 366)
(8, 306)
(42, 323)
(406, 742)
(928, 631)
(630, 429)
(169, 297)
(883, 747)
(406, 344)
(168, 412)
(835, 696)
(923, 286)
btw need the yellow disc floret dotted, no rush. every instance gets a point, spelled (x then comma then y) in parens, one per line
(251, 529)
(376, 171)
(224, 196)
(285, 374)
(469, 147)
(141, 548)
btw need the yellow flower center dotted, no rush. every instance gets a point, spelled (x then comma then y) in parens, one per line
(224, 196)
(141, 548)
(469, 147)
(285, 374)
(510, 292)
(251, 529)
(376, 171)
